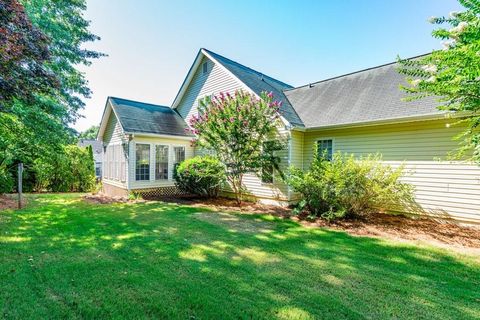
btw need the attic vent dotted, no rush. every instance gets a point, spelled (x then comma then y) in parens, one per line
(204, 68)
(310, 85)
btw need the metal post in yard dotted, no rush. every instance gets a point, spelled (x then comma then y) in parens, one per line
(20, 178)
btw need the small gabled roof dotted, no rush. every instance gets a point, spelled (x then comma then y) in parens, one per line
(368, 95)
(140, 117)
(252, 79)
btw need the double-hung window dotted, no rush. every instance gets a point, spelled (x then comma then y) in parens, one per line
(178, 156)
(161, 162)
(325, 149)
(142, 164)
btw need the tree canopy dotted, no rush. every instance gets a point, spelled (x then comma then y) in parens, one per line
(453, 73)
(90, 133)
(240, 129)
(41, 88)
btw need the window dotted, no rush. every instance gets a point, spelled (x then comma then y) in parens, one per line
(204, 68)
(178, 156)
(325, 149)
(161, 162)
(142, 164)
(267, 168)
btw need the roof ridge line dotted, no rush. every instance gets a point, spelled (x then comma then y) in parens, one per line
(147, 103)
(354, 72)
(246, 67)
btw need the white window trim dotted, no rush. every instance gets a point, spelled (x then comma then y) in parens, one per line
(135, 162)
(155, 161)
(173, 156)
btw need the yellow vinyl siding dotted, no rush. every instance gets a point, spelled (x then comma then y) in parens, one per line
(448, 188)
(296, 155)
(152, 141)
(216, 80)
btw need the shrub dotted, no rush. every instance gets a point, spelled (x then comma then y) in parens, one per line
(71, 170)
(6, 180)
(348, 187)
(201, 175)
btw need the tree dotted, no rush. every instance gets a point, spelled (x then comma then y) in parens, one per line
(237, 128)
(90, 133)
(37, 122)
(24, 51)
(453, 74)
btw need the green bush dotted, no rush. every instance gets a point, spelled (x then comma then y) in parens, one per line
(348, 187)
(72, 170)
(6, 180)
(201, 175)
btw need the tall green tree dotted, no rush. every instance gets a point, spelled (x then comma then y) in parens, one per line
(38, 125)
(453, 73)
(90, 133)
(24, 51)
(241, 130)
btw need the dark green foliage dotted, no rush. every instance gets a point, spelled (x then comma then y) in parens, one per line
(6, 180)
(348, 187)
(453, 74)
(72, 170)
(24, 51)
(201, 175)
(35, 122)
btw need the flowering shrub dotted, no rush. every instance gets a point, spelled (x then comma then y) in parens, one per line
(347, 187)
(236, 127)
(203, 176)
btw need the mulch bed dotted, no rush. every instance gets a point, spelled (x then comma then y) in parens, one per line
(436, 232)
(103, 199)
(10, 202)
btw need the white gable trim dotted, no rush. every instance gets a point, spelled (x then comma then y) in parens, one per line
(105, 117)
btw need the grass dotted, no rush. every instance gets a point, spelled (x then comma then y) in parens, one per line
(64, 258)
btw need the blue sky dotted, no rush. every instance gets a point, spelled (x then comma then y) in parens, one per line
(151, 44)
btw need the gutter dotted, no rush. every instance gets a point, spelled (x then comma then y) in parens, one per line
(424, 117)
(154, 135)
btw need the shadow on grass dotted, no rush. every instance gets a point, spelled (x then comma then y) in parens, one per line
(62, 257)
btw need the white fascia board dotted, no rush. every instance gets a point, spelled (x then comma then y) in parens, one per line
(154, 135)
(378, 122)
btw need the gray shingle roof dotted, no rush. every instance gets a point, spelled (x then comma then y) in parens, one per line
(258, 83)
(368, 95)
(139, 117)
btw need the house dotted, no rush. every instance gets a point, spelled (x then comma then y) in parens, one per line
(97, 148)
(360, 113)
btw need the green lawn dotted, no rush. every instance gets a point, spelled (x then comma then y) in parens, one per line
(64, 258)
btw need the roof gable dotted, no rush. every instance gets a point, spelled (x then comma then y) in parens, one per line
(365, 96)
(253, 80)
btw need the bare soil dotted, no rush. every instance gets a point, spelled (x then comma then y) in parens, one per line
(435, 232)
(103, 199)
(10, 202)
